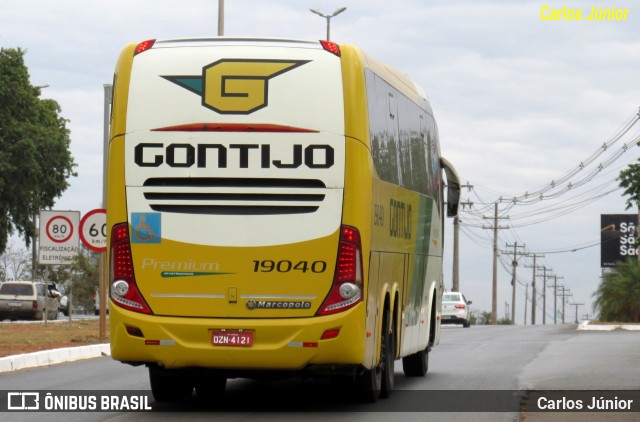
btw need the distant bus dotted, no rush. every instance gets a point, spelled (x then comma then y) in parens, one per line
(274, 207)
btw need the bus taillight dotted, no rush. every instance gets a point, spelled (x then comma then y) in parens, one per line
(346, 290)
(331, 47)
(143, 46)
(124, 290)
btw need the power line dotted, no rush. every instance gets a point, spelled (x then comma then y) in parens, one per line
(539, 193)
(593, 179)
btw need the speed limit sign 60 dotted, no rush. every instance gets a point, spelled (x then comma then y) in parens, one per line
(93, 230)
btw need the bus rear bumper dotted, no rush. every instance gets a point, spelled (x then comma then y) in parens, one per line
(285, 344)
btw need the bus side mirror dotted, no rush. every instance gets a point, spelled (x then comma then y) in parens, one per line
(453, 200)
(453, 188)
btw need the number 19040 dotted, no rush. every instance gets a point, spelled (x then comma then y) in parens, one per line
(285, 266)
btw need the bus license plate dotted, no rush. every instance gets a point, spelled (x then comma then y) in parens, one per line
(232, 338)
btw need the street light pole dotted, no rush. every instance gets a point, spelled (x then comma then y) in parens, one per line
(34, 238)
(102, 264)
(328, 18)
(220, 18)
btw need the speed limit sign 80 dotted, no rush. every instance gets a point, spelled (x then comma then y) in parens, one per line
(93, 230)
(58, 237)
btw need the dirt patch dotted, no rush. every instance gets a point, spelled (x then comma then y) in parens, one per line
(26, 337)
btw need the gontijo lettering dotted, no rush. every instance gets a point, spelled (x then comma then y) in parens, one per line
(400, 219)
(234, 155)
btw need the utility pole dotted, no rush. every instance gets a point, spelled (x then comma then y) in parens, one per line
(456, 254)
(514, 280)
(456, 244)
(494, 296)
(544, 294)
(533, 287)
(526, 301)
(577, 304)
(555, 298)
(564, 292)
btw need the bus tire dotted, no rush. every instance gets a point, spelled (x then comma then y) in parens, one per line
(169, 385)
(417, 364)
(210, 388)
(387, 357)
(370, 383)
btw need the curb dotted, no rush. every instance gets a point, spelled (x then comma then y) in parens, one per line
(54, 356)
(586, 326)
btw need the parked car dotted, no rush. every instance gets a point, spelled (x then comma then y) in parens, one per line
(27, 300)
(455, 309)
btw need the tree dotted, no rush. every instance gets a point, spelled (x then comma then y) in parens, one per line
(15, 264)
(80, 279)
(629, 179)
(35, 159)
(485, 317)
(618, 296)
(85, 277)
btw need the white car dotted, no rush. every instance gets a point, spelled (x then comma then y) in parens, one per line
(455, 309)
(27, 300)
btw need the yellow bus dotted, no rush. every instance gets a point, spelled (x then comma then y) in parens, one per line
(274, 207)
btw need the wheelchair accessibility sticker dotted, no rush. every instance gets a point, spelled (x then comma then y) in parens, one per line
(146, 227)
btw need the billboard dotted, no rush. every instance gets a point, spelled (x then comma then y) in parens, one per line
(617, 238)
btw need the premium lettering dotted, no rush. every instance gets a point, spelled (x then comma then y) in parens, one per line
(189, 265)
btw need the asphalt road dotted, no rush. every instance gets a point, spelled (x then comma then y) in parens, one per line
(471, 373)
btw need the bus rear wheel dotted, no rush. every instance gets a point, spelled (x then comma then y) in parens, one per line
(379, 381)
(210, 388)
(387, 358)
(417, 364)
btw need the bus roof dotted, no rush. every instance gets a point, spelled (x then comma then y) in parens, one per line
(194, 42)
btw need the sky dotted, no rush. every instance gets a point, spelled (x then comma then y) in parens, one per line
(521, 100)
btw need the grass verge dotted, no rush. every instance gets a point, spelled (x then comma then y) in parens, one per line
(26, 337)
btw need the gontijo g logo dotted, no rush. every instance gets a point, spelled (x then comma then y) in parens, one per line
(235, 86)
